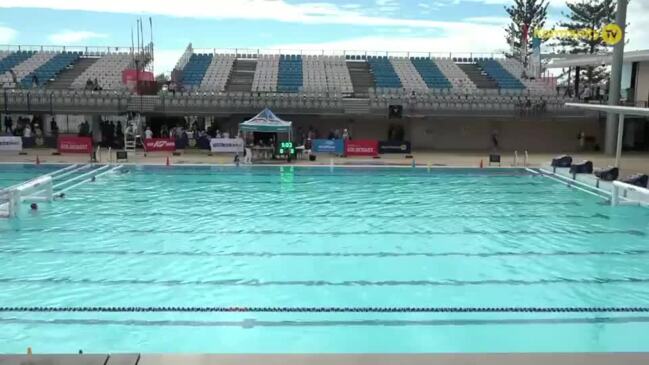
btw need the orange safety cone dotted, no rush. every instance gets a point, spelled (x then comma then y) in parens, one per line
(38, 160)
(481, 163)
(168, 163)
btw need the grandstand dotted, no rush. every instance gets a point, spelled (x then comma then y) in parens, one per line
(242, 81)
(65, 69)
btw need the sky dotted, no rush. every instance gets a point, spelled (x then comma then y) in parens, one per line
(439, 26)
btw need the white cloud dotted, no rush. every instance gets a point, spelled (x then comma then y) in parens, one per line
(280, 10)
(7, 34)
(66, 37)
(462, 39)
(638, 29)
(165, 60)
(498, 20)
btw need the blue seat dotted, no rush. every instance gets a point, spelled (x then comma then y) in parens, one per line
(502, 77)
(430, 73)
(194, 71)
(383, 72)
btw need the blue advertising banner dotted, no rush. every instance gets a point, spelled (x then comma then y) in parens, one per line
(328, 145)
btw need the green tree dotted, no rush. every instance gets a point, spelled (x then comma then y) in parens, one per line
(525, 15)
(591, 15)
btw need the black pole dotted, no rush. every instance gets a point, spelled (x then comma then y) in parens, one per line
(577, 70)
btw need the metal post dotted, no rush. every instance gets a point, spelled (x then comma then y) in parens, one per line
(620, 134)
(616, 76)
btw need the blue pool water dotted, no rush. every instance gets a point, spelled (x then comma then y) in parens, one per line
(304, 237)
(12, 174)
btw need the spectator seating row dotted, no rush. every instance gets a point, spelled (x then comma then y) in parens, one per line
(383, 72)
(266, 72)
(9, 63)
(460, 82)
(195, 69)
(495, 71)
(290, 76)
(535, 87)
(49, 69)
(217, 74)
(107, 71)
(245, 100)
(326, 74)
(430, 73)
(410, 77)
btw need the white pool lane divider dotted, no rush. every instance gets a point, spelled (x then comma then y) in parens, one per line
(573, 183)
(620, 194)
(84, 178)
(616, 192)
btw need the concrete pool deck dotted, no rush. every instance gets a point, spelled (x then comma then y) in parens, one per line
(631, 162)
(333, 359)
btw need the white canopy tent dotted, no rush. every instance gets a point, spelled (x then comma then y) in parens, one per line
(266, 121)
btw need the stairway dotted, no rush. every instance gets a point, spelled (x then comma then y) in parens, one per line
(476, 75)
(362, 78)
(241, 76)
(64, 79)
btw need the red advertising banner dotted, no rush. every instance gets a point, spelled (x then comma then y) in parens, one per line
(361, 147)
(159, 144)
(71, 144)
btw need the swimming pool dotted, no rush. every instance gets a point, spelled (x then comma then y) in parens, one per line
(12, 174)
(210, 237)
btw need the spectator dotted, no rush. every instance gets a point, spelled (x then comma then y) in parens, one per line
(148, 134)
(54, 128)
(164, 131)
(38, 131)
(494, 139)
(346, 134)
(27, 132)
(119, 134)
(8, 125)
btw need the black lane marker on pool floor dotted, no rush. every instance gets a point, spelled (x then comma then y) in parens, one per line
(350, 283)
(251, 323)
(333, 309)
(373, 216)
(467, 231)
(18, 251)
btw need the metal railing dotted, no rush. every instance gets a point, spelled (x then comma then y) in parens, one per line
(256, 52)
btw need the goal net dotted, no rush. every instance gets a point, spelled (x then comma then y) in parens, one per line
(36, 190)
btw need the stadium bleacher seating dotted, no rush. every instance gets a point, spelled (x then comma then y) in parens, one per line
(408, 75)
(217, 73)
(48, 70)
(535, 87)
(195, 70)
(430, 73)
(107, 70)
(460, 82)
(326, 73)
(290, 74)
(10, 62)
(383, 72)
(495, 71)
(265, 78)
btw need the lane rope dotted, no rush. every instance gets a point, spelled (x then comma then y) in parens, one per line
(335, 309)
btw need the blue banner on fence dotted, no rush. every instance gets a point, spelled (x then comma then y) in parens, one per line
(328, 145)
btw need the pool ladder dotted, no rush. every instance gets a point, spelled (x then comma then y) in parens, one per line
(525, 159)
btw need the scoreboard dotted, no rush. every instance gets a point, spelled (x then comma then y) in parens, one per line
(286, 148)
